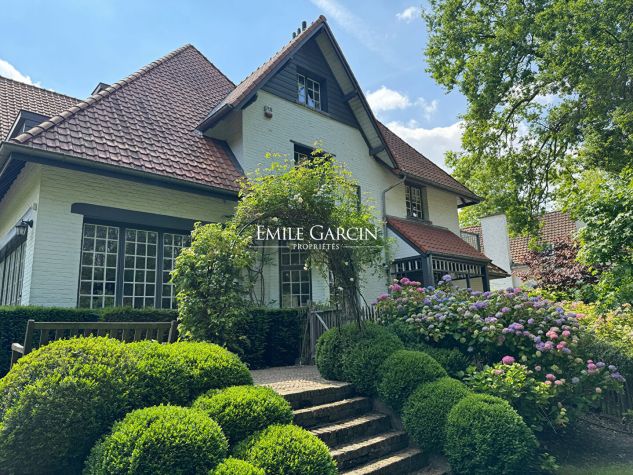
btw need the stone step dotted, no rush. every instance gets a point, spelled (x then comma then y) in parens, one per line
(331, 412)
(358, 427)
(320, 395)
(363, 451)
(404, 462)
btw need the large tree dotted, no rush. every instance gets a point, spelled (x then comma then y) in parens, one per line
(549, 85)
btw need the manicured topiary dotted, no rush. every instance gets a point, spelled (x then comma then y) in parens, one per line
(233, 466)
(287, 450)
(243, 410)
(362, 358)
(159, 440)
(177, 373)
(330, 347)
(484, 435)
(424, 413)
(402, 372)
(58, 400)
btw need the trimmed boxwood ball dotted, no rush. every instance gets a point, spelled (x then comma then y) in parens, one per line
(287, 450)
(484, 434)
(243, 410)
(424, 413)
(402, 372)
(160, 440)
(233, 466)
(330, 347)
(361, 359)
(58, 400)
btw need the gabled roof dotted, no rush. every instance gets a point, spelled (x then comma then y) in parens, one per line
(429, 239)
(147, 123)
(554, 225)
(17, 96)
(320, 30)
(417, 166)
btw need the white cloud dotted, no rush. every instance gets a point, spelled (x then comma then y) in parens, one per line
(385, 99)
(433, 143)
(408, 14)
(350, 22)
(9, 71)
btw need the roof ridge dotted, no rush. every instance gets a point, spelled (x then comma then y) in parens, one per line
(90, 100)
(39, 88)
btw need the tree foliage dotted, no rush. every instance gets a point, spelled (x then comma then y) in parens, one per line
(549, 91)
(554, 268)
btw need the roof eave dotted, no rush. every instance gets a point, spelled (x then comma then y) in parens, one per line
(12, 150)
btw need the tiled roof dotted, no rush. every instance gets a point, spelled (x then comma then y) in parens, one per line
(256, 78)
(413, 163)
(433, 239)
(16, 96)
(554, 225)
(147, 122)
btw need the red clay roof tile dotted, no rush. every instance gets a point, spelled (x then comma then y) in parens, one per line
(433, 239)
(147, 122)
(554, 225)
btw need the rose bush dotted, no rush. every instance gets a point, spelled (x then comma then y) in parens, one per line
(505, 326)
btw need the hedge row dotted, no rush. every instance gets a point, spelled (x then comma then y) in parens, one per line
(268, 337)
(13, 322)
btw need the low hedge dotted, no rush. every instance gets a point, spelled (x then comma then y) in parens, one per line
(243, 410)
(484, 434)
(267, 336)
(13, 322)
(159, 440)
(425, 412)
(233, 466)
(58, 400)
(287, 450)
(404, 371)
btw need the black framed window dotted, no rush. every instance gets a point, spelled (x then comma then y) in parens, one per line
(295, 280)
(302, 153)
(127, 265)
(309, 91)
(414, 201)
(12, 274)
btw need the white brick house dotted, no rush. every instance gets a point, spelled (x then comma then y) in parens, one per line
(98, 196)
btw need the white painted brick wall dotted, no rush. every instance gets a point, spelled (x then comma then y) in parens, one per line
(57, 247)
(23, 194)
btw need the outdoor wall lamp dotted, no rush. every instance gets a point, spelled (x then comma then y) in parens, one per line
(22, 227)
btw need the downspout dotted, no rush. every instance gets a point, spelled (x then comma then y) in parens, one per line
(403, 177)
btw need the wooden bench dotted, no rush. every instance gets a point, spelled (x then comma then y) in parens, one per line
(40, 333)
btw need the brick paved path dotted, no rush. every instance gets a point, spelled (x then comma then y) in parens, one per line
(292, 379)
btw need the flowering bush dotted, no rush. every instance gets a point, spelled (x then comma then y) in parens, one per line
(509, 325)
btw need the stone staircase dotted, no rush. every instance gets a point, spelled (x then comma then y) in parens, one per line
(361, 439)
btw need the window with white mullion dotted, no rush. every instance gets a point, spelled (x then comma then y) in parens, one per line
(139, 271)
(98, 272)
(295, 279)
(172, 245)
(413, 202)
(308, 91)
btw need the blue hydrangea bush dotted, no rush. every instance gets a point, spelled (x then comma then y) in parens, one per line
(499, 329)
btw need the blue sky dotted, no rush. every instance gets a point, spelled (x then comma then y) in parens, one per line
(71, 45)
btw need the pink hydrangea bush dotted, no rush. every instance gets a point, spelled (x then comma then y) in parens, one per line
(508, 327)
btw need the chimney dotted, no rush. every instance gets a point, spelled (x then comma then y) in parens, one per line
(304, 25)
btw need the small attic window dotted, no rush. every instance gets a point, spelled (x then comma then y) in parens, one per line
(309, 91)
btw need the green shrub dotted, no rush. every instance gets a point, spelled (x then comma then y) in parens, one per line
(362, 359)
(485, 435)
(425, 412)
(404, 371)
(129, 314)
(233, 466)
(58, 400)
(159, 440)
(243, 410)
(283, 341)
(287, 450)
(329, 349)
(177, 373)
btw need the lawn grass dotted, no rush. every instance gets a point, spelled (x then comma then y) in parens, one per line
(598, 469)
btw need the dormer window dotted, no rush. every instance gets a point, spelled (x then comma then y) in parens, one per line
(414, 201)
(308, 91)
